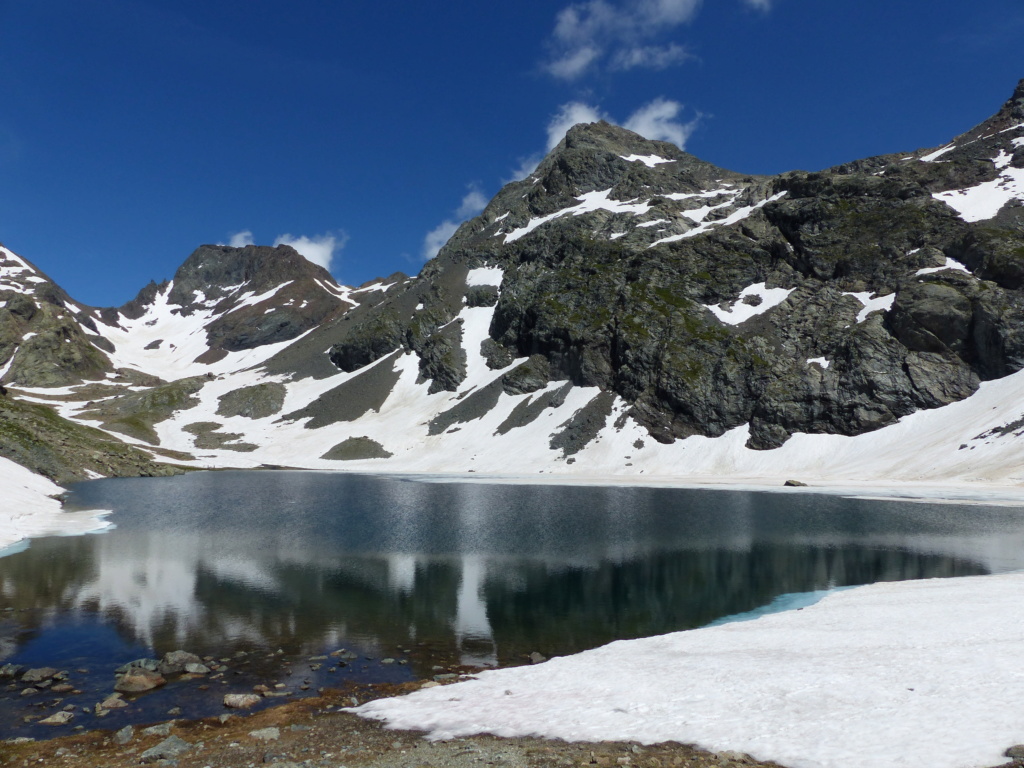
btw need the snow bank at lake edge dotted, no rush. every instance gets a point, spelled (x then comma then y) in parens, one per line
(889, 674)
(27, 509)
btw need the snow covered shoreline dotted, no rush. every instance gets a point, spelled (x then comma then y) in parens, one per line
(833, 685)
(997, 494)
(29, 509)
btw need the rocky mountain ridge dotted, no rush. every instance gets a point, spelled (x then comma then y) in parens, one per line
(610, 312)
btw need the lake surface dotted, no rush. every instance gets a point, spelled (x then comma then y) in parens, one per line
(226, 563)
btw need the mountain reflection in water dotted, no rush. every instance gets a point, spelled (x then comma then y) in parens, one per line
(219, 561)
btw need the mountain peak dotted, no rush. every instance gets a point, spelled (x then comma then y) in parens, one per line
(214, 268)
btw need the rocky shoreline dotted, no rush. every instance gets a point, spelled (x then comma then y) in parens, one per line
(178, 684)
(318, 733)
(267, 727)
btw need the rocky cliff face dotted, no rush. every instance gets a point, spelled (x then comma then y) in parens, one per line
(624, 291)
(832, 302)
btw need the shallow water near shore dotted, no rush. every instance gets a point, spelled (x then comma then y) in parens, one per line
(266, 570)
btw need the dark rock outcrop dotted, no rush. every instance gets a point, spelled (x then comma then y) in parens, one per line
(620, 295)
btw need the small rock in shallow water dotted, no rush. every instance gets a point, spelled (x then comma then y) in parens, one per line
(114, 702)
(59, 718)
(536, 658)
(38, 675)
(241, 700)
(11, 670)
(137, 679)
(151, 664)
(124, 736)
(197, 669)
(175, 662)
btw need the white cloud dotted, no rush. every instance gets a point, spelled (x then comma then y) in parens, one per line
(472, 204)
(241, 239)
(586, 32)
(437, 237)
(574, 63)
(527, 165)
(569, 115)
(649, 57)
(319, 249)
(657, 121)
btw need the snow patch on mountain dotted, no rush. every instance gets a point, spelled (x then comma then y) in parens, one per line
(589, 201)
(485, 276)
(338, 291)
(166, 342)
(742, 309)
(736, 216)
(983, 201)
(649, 160)
(931, 157)
(725, 189)
(16, 274)
(950, 264)
(873, 303)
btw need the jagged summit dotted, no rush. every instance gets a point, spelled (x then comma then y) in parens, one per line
(216, 270)
(614, 184)
(616, 142)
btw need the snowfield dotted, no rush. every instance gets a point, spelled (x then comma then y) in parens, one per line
(28, 509)
(919, 673)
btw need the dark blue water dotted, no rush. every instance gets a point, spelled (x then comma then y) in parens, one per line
(283, 566)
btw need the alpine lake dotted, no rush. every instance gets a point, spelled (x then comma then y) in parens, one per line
(266, 574)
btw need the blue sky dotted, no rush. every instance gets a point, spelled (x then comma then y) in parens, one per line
(131, 131)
